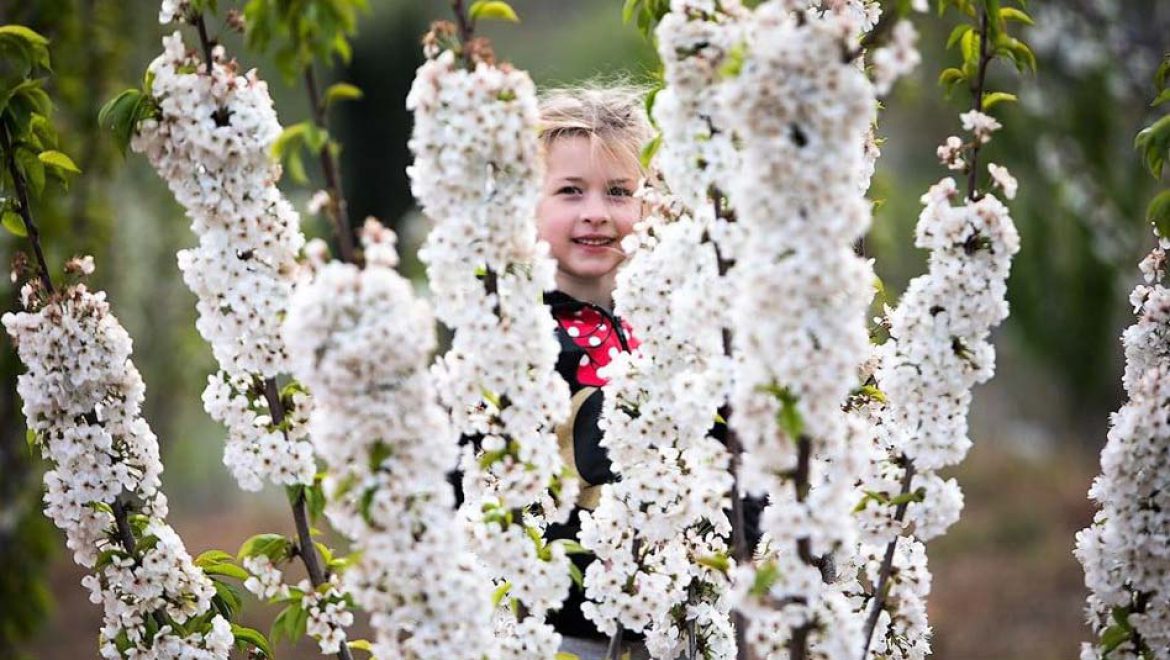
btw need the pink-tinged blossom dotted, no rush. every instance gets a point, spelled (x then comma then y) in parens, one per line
(211, 143)
(1125, 552)
(82, 396)
(1003, 180)
(981, 125)
(477, 175)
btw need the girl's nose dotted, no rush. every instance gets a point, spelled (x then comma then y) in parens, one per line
(595, 209)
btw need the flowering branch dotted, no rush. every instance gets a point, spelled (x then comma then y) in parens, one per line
(25, 210)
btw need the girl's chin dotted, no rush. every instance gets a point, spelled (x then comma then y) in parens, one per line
(588, 271)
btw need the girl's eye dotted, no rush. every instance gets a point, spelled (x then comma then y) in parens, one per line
(618, 191)
(569, 190)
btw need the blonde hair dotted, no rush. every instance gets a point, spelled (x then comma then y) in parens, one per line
(613, 117)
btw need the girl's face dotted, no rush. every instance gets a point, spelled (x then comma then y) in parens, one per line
(586, 208)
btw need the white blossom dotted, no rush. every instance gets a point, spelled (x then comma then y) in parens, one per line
(82, 397)
(799, 311)
(211, 143)
(1003, 179)
(1126, 551)
(898, 58)
(361, 341)
(665, 515)
(477, 176)
(981, 125)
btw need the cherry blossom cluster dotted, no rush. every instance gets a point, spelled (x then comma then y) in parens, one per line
(666, 513)
(1124, 552)
(697, 43)
(211, 143)
(801, 295)
(476, 175)
(938, 351)
(82, 397)
(361, 341)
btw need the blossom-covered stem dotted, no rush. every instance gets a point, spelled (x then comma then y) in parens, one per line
(30, 227)
(879, 592)
(337, 207)
(306, 549)
(977, 86)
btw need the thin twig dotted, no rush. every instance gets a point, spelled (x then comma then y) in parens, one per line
(201, 26)
(338, 207)
(30, 227)
(306, 549)
(887, 567)
(977, 86)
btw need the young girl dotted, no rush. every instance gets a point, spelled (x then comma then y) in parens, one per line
(591, 141)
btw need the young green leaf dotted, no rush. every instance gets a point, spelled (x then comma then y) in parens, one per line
(14, 224)
(58, 160)
(991, 99)
(492, 10)
(1158, 213)
(342, 92)
(251, 636)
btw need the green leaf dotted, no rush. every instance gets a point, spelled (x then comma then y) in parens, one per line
(766, 576)
(575, 575)
(957, 34)
(564, 655)
(1157, 213)
(15, 226)
(1161, 98)
(296, 167)
(649, 151)
(251, 636)
(492, 10)
(951, 77)
(991, 99)
(227, 599)
(718, 562)
(121, 115)
(1111, 638)
(490, 396)
(628, 10)
(573, 548)
(33, 171)
(361, 645)
(274, 546)
(500, 592)
(342, 92)
(969, 44)
(281, 625)
(227, 570)
(290, 139)
(58, 160)
(1013, 14)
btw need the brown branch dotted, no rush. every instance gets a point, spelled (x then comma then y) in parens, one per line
(887, 567)
(306, 550)
(338, 207)
(30, 227)
(977, 87)
(201, 26)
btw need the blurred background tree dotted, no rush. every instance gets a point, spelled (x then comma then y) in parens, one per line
(1006, 585)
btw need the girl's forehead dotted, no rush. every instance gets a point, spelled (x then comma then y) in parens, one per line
(581, 156)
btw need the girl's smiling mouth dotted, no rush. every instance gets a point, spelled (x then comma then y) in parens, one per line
(593, 240)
